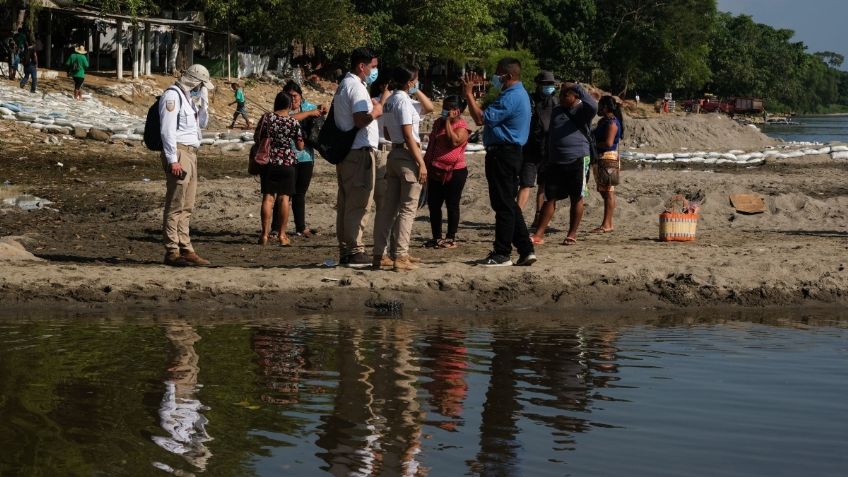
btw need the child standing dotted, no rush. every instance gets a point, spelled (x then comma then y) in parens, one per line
(240, 106)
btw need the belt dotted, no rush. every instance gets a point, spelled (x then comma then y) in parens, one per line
(504, 147)
(393, 146)
(186, 146)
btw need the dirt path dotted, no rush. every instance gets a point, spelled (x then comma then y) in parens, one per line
(102, 242)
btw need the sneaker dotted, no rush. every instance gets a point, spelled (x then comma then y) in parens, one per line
(344, 260)
(404, 264)
(496, 260)
(174, 259)
(359, 260)
(194, 258)
(526, 260)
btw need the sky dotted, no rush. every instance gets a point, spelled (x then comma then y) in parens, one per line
(818, 23)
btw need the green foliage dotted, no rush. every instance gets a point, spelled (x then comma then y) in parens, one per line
(683, 46)
(529, 64)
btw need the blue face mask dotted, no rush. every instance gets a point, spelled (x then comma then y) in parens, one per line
(414, 89)
(445, 113)
(496, 81)
(548, 90)
(372, 77)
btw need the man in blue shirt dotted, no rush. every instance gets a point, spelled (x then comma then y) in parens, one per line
(507, 126)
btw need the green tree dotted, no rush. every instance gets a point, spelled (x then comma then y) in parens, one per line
(557, 32)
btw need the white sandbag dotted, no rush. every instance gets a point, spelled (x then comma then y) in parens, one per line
(839, 149)
(699, 159)
(728, 156)
(743, 157)
(736, 151)
(839, 155)
(207, 142)
(682, 155)
(665, 156)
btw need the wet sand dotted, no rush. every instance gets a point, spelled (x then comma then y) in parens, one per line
(101, 244)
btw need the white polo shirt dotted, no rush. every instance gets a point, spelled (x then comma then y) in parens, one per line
(399, 111)
(352, 97)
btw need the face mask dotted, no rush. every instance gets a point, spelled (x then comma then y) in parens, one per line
(497, 82)
(548, 90)
(445, 114)
(414, 89)
(372, 77)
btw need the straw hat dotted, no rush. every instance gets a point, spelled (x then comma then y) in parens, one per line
(80, 49)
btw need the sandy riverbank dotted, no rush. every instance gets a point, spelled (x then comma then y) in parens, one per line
(100, 246)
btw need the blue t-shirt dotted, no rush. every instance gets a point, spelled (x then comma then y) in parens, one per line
(507, 119)
(602, 130)
(307, 154)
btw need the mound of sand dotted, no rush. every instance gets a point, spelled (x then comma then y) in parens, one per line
(12, 251)
(704, 132)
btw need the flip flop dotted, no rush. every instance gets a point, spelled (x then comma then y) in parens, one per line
(536, 240)
(600, 230)
(446, 243)
(569, 241)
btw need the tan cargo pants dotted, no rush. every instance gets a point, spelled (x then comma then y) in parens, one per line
(179, 201)
(356, 176)
(399, 206)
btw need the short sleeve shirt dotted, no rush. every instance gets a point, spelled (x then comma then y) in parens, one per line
(284, 131)
(352, 97)
(400, 111)
(240, 96)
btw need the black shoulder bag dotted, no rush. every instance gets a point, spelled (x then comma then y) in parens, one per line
(334, 144)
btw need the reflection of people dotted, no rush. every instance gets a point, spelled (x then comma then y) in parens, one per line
(448, 387)
(348, 434)
(281, 362)
(180, 410)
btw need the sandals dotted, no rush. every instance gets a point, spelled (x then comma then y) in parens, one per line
(569, 241)
(446, 243)
(441, 243)
(263, 240)
(284, 240)
(601, 230)
(536, 240)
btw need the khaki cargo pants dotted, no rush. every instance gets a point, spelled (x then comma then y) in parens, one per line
(179, 200)
(396, 213)
(356, 177)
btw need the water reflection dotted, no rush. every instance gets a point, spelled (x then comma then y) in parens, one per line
(180, 410)
(400, 397)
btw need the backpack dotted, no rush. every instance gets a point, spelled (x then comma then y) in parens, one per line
(153, 123)
(333, 143)
(75, 68)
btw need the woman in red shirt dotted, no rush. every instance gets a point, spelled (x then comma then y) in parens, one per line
(446, 170)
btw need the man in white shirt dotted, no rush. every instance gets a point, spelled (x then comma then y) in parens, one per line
(181, 121)
(356, 173)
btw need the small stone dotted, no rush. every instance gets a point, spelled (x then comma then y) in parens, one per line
(80, 133)
(98, 135)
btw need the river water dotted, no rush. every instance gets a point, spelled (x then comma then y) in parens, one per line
(824, 129)
(424, 396)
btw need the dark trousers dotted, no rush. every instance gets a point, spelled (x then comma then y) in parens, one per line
(450, 193)
(502, 169)
(303, 177)
(30, 71)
